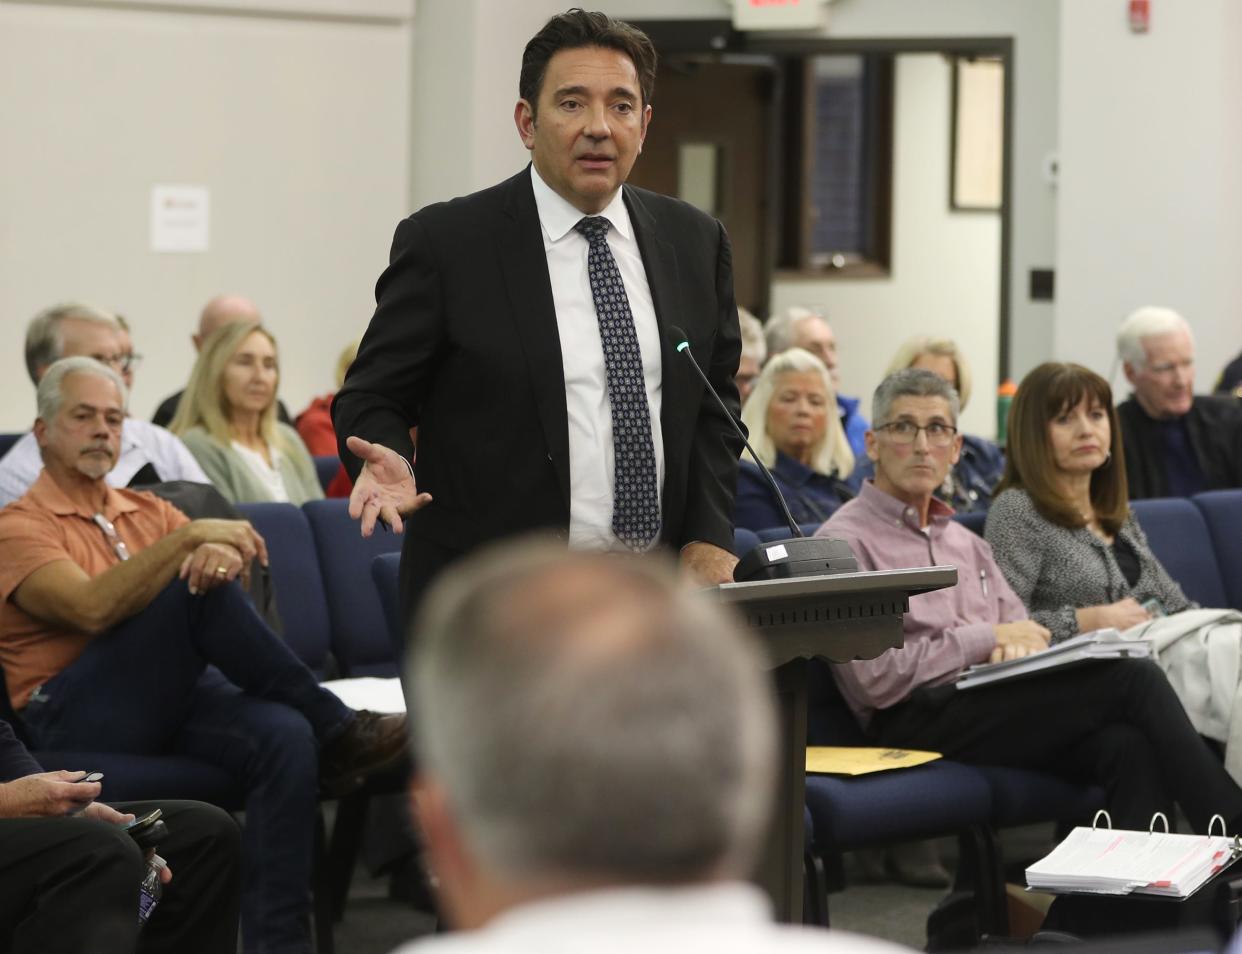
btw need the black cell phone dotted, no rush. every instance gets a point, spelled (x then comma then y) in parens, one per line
(149, 830)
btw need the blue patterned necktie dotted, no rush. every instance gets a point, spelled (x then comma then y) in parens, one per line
(635, 501)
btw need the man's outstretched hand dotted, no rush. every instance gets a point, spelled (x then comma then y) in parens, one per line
(384, 489)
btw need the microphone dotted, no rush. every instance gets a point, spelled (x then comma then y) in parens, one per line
(778, 559)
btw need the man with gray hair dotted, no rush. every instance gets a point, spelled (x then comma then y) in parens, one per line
(596, 746)
(1119, 724)
(148, 455)
(122, 629)
(754, 353)
(1177, 444)
(800, 326)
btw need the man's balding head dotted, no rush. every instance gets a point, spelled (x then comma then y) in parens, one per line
(583, 719)
(223, 310)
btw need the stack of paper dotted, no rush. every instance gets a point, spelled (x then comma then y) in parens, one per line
(1097, 644)
(1103, 861)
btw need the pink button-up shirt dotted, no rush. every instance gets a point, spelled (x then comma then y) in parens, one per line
(945, 631)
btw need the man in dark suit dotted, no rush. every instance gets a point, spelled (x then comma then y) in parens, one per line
(527, 331)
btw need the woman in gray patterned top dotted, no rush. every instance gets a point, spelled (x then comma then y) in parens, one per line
(1061, 526)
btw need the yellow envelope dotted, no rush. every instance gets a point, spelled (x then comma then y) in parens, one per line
(859, 760)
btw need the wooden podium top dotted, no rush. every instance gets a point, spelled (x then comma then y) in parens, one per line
(839, 617)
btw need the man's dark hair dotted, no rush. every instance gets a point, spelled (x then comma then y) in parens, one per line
(575, 29)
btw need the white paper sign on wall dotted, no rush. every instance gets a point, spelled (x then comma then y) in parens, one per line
(180, 218)
(778, 14)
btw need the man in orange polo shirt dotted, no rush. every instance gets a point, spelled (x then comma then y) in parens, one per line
(121, 629)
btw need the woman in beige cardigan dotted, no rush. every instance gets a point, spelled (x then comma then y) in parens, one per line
(227, 418)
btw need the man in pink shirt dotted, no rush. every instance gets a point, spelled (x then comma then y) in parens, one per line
(1116, 723)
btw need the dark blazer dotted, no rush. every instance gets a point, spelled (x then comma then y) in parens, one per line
(1215, 427)
(464, 345)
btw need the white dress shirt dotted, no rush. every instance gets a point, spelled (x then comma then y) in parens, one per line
(142, 443)
(708, 919)
(582, 357)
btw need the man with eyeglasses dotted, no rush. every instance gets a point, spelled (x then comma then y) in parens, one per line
(1116, 724)
(1177, 443)
(149, 454)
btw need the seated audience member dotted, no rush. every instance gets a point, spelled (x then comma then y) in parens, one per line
(1230, 381)
(227, 418)
(972, 479)
(1176, 444)
(69, 872)
(317, 431)
(1069, 545)
(149, 454)
(1061, 527)
(1116, 723)
(806, 328)
(793, 430)
(559, 810)
(122, 629)
(220, 311)
(754, 353)
(129, 359)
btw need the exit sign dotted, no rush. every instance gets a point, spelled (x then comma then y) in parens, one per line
(778, 14)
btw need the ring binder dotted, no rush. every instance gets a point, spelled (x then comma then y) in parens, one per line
(1224, 832)
(1151, 828)
(1107, 817)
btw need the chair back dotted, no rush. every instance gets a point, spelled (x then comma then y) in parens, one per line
(359, 632)
(326, 467)
(1179, 538)
(7, 441)
(1222, 512)
(972, 520)
(386, 572)
(296, 578)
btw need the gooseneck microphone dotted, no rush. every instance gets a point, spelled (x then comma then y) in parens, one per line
(683, 347)
(777, 559)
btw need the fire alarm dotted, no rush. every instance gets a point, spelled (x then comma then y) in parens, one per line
(1140, 16)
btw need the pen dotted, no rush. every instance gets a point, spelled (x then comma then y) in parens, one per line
(983, 580)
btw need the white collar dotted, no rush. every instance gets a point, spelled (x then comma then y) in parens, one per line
(558, 217)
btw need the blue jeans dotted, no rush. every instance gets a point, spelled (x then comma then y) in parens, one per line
(204, 676)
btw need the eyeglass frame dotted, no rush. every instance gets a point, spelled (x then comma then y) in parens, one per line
(949, 429)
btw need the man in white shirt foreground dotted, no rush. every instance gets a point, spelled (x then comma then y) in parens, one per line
(596, 747)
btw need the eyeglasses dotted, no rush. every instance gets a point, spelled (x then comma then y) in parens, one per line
(130, 361)
(109, 531)
(906, 432)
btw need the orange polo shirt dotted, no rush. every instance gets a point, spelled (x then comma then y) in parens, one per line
(44, 527)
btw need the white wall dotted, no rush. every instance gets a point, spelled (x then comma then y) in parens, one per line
(1151, 177)
(299, 125)
(945, 276)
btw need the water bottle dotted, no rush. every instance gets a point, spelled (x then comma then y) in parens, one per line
(1004, 398)
(152, 889)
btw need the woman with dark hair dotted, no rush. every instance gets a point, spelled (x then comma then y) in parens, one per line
(1061, 526)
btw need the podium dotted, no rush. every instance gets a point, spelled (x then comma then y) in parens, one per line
(840, 617)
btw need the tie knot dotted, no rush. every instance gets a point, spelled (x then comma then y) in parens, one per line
(593, 228)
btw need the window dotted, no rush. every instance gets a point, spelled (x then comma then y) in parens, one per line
(836, 194)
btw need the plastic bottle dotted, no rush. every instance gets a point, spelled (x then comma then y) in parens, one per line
(1004, 398)
(152, 889)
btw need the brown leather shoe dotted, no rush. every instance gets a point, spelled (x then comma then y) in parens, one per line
(370, 745)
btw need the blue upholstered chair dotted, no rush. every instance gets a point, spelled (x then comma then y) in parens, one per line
(386, 572)
(972, 520)
(8, 440)
(296, 578)
(1222, 512)
(1179, 536)
(359, 633)
(326, 467)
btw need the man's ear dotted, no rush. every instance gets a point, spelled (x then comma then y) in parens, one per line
(872, 446)
(524, 119)
(40, 430)
(1129, 370)
(957, 448)
(447, 855)
(642, 133)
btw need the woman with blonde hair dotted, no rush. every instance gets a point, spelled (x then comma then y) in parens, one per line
(227, 418)
(795, 429)
(973, 479)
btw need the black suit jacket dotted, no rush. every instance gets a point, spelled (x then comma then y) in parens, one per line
(464, 344)
(1215, 427)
